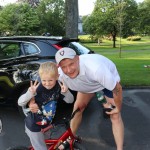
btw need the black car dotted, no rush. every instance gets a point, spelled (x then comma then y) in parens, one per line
(20, 57)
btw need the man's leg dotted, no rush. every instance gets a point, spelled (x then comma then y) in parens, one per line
(81, 102)
(118, 130)
(117, 126)
(117, 123)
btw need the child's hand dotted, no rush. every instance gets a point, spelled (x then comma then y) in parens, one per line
(64, 89)
(33, 87)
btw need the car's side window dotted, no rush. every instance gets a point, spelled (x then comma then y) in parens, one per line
(30, 48)
(9, 50)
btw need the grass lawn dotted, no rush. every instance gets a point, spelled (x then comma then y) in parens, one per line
(134, 55)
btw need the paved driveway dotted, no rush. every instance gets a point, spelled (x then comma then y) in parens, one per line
(95, 130)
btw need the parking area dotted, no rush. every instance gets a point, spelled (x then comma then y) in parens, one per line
(95, 130)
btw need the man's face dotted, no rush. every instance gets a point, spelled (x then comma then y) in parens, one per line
(70, 67)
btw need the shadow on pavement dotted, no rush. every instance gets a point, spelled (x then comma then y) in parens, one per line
(95, 130)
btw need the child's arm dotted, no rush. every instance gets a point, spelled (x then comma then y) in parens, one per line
(32, 101)
(69, 98)
(25, 98)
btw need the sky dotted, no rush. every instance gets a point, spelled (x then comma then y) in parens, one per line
(4, 2)
(85, 6)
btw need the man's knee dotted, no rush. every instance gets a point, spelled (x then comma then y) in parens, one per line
(115, 118)
(80, 106)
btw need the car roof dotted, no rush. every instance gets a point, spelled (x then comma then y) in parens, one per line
(27, 38)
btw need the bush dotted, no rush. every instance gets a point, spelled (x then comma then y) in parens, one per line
(134, 38)
(88, 39)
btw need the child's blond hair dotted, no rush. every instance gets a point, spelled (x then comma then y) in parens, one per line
(49, 68)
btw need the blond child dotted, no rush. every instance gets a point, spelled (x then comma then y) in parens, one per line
(43, 98)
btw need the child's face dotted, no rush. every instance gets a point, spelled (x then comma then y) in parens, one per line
(48, 81)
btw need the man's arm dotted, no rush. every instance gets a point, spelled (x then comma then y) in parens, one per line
(117, 94)
(33, 106)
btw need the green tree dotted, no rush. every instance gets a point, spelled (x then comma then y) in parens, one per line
(52, 16)
(19, 19)
(32, 3)
(111, 16)
(144, 17)
(89, 24)
(129, 17)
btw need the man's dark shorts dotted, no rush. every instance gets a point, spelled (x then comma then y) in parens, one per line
(108, 93)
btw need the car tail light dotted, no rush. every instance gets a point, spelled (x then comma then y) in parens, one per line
(57, 46)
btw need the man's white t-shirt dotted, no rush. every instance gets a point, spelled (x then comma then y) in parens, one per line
(96, 73)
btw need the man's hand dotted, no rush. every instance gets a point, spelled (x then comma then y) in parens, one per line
(64, 89)
(33, 106)
(33, 87)
(113, 111)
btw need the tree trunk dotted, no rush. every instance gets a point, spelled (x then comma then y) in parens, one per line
(114, 41)
(71, 10)
(114, 33)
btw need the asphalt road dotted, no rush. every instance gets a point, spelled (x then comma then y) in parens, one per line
(95, 130)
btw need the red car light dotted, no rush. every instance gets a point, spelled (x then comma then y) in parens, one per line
(57, 46)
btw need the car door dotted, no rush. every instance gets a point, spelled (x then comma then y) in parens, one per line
(9, 55)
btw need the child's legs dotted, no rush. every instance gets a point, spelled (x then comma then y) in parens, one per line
(36, 139)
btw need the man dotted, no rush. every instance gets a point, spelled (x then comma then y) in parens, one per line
(88, 74)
